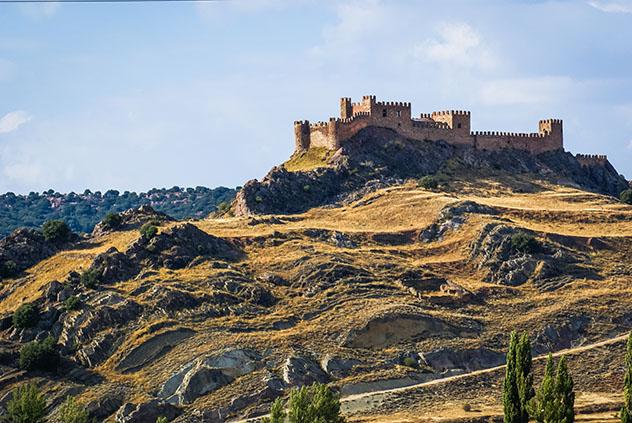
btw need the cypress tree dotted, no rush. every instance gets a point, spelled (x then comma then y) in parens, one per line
(565, 395)
(511, 397)
(543, 407)
(626, 411)
(524, 377)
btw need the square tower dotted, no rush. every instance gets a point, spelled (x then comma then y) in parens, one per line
(457, 120)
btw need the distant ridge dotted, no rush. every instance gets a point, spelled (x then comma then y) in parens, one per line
(83, 211)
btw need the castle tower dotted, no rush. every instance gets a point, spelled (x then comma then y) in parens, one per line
(346, 108)
(553, 129)
(302, 135)
(457, 120)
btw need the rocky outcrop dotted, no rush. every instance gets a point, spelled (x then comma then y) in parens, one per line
(446, 359)
(152, 348)
(451, 218)
(395, 328)
(301, 370)
(377, 157)
(146, 412)
(130, 219)
(113, 266)
(177, 246)
(207, 374)
(22, 249)
(338, 367)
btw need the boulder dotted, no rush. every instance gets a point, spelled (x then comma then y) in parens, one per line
(302, 370)
(146, 412)
(22, 249)
(338, 367)
(152, 348)
(207, 374)
(446, 359)
(114, 266)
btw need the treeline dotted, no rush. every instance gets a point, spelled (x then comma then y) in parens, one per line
(82, 211)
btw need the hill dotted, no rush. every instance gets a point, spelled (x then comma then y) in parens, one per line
(82, 211)
(340, 271)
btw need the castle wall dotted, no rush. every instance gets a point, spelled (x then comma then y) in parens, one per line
(450, 126)
(589, 160)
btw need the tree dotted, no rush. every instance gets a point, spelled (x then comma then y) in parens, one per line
(511, 398)
(148, 230)
(73, 412)
(27, 405)
(565, 395)
(543, 407)
(56, 231)
(518, 383)
(524, 377)
(112, 220)
(626, 411)
(26, 316)
(38, 355)
(428, 182)
(626, 196)
(524, 243)
(277, 412)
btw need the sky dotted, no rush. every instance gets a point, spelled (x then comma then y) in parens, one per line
(132, 96)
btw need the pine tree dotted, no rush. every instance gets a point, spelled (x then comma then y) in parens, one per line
(524, 377)
(565, 395)
(511, 397)
(277, 412)
(626, 411)
(73, 412)
(27, 405)
(542, 406)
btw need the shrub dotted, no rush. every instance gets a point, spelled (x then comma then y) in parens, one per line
(72, 303)
(148, 230)
(112, 220)
(26, 316)
(277, 412)
(8, 268)
(162, 419)
(428, 182)
(223, 207)
(307, 188)
(39, 355)
(73, 412)
(90, 278)
(56, 231)
(626, 196)
(258, 199)
(467, 407)
(524, 243)
(410, 362)
(27, 405)
(317, 403)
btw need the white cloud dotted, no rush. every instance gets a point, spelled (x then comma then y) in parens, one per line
(457, 44)
(13, 120)
(621, 6)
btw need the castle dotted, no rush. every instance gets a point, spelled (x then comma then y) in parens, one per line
(450, 126)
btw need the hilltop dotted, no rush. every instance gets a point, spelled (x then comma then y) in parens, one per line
(344, 266)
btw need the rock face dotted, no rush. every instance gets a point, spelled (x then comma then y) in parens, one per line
(394, 328)
(22, 249)
(207, 374)
(114, 266)
(453, 217)
(146, 412)
(380, 155)
(301, 370)
(446, 359)
(152, 348)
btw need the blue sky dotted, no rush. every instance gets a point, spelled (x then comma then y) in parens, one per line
(135, 96)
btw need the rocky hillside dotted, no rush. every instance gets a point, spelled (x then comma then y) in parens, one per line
(383, 284)
(378, 157)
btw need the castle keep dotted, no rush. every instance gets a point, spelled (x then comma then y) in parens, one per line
(450, 126)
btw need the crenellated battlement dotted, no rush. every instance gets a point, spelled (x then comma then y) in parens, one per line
(451, 126)
(589, 160)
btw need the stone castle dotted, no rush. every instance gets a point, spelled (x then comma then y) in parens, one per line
(450, 126)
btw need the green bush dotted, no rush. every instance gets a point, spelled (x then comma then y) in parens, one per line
(73, 412)
(277, 412)
(307, 188)
(112, 220)
(626, 196)
(72, 303)
(148, 230)
(90, 278)
(8, 268)
(317, 403)
(26, 316)
(223, 207)
(428, 182)
(39, 355)
(162, 419)
(27, 405)
(56, 231)
(410, 362)
(524, 243)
